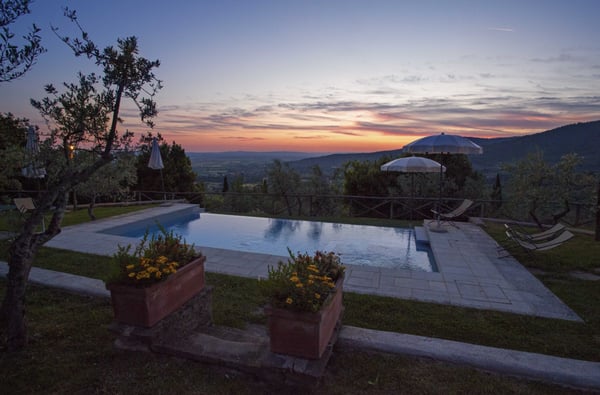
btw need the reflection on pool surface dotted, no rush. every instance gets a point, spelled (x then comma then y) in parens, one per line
(357, 244)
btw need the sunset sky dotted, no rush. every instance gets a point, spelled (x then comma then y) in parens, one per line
(338, 76)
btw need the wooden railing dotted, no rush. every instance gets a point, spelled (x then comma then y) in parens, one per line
(310, 205)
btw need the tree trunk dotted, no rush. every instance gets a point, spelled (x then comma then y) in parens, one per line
(287, 203)
(75, 208)
(533, 215)
(91, 207)
(558, 216)
(13, 306)
(21, 255)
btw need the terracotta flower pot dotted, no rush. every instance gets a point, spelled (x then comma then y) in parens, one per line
(305, 334)
(146, 306)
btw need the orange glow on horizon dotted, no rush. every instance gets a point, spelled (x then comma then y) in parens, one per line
(209, 142)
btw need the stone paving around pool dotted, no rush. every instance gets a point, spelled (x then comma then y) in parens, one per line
(471, 274)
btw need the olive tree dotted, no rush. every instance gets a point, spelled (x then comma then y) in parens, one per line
(545, 190)
(16, 60)
(85, 115)
(12, 141)
(283, 181)
(113, 179)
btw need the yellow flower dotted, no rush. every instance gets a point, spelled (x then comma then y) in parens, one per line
(131, 275)
(129, 267)
(310, 282)
(299, 285)
(317, 296)
(289, 301)
(294, 279)
(162, 259)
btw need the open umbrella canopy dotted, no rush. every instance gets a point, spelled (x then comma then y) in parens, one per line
(413, 164)
(443, 144)
(32, 149)
(155, 161)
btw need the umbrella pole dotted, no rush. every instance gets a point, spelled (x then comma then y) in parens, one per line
(162, 181)
(440, 195)
(412, 194)
(439, 228)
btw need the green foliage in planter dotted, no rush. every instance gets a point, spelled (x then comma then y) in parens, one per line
(152, 261)
(304, 282)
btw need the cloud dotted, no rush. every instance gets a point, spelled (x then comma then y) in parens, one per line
(562, 58)
(243, 138)
(502, 29)
(487, 111)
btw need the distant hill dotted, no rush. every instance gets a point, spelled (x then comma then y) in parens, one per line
(580, 138)
(284, 156)
(329, 163)
(212, 167)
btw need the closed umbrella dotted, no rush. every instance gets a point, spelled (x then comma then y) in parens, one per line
(32, 148)
(156, 163)
(413, 164)
(443, 144)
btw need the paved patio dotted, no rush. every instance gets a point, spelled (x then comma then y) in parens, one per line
(470, 272)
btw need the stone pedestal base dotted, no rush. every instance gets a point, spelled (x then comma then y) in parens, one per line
(188, 333)
(193, 315)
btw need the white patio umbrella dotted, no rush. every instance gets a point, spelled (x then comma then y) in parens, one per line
(413, 164)
(156, 163)
(443, 144)
(33, 149)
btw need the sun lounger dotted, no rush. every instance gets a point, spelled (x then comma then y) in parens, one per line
(24, 205)
(530, 246)
(457, 212)
(539, 236)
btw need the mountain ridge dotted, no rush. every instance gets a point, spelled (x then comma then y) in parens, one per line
(582, 138)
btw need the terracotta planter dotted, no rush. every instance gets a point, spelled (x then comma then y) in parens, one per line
(146, 306)
(305, 334)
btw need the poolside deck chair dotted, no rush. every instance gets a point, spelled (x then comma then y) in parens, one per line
(24, 205)
(457, 212)
(530, 246)
(539, 236)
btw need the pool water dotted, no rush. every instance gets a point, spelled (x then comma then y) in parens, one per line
(357, 244)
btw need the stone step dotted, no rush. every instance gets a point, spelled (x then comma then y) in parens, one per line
(421, 235)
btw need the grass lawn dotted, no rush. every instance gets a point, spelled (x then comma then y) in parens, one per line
(60, 322)
(10, 220)
(70, 351)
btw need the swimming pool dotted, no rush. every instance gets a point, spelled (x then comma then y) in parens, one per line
(357, 244)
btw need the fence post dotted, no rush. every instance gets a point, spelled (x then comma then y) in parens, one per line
(598, 214)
